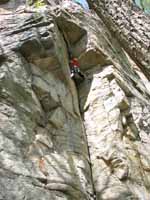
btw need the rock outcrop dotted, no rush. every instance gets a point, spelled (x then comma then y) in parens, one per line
(62, 140)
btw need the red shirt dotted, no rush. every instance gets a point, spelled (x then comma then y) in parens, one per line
(74, 62)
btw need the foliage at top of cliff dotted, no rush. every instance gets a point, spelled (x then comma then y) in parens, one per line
(144, 5)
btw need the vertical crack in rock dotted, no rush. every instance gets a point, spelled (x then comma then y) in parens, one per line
(66, 39)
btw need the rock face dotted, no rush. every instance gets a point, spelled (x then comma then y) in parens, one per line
(62, 140)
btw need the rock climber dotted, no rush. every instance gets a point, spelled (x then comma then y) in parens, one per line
(75, 69)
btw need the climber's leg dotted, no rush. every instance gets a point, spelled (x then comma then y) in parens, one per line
(81, 75)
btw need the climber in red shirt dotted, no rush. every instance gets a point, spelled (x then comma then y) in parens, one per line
(75, 68)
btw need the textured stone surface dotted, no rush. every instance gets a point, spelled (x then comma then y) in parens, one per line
(115, 138)
(43, 146)
(130, 25)
(62, 141)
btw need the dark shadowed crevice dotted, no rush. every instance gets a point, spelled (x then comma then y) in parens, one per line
(69, 45)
